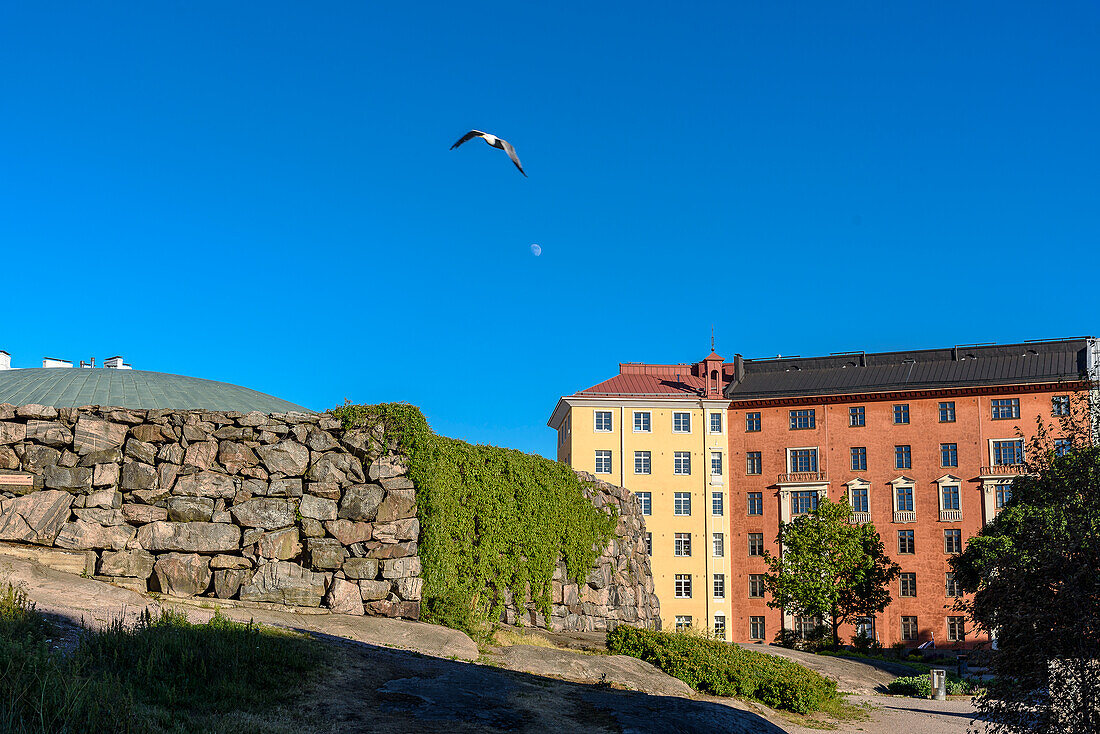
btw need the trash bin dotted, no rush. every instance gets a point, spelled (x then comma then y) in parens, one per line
(939, 684)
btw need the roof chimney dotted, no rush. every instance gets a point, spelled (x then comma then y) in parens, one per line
(5, 360)
(50, 362)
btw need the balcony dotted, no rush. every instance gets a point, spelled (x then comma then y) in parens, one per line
(905, 516)
(860, 518)
(1003, 470)
(804, 477)
(951, 515)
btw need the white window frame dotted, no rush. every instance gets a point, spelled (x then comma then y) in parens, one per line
(853, 485)
(1014, 439)
(600, 454)
(682, 586)
(790, 456)
(645, 499)
(897, 484)
(596, 421)
(720, 622)
(720, 499)
(753, 621)
(676, 417)
(648, 421)
(646, 459)
(1013, 406)
(901, 585)
(677, 499)
(710, 423)
(718, 545)
(678, 465)
(681, 541)
(683, 621)
(649, 544)
(716, 580)
(716, 456)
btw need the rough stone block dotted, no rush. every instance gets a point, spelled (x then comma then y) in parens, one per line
(361, 568)
(287, 457)
(394, 609)
(35, 518)
(228, 581)
(50, 433)
(280, 545)
(372, 590)
(133, 563)
(12, 433)
(268, 513)
(396, 568)
(82, 535)
(137, 475)
(318, 508)
(360, 502)
(409, 589)
(182, 574)
(285, 583)
(397, 531)
(348, 532)
(189, 537)
(190, 509)
(96, 434)
(110, 499)
(201, 454)
(141, 451)
(325, 553)
(142, 514)
(105, 475)
(100, 515)
(344, 597)
(75, 479)
(206, 484)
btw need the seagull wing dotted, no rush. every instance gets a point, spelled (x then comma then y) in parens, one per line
(512, 154)
(468, 136)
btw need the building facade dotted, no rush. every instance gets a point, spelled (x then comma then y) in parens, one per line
(924, 444)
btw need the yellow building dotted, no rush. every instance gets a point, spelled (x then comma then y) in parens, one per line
(660, 431)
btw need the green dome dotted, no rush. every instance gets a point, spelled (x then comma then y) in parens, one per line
(74, 387)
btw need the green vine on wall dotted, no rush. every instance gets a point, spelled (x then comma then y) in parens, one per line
(492, 519)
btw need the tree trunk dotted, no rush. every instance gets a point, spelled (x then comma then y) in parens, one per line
(836, 627)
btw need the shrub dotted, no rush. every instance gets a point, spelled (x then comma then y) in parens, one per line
(920, 686)
(493, 520)
(721, 669)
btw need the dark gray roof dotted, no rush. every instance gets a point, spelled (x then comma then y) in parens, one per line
(71, 388)
(1003, 364)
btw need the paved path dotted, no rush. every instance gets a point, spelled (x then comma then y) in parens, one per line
(898, 715)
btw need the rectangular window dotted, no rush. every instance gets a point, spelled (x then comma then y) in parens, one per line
(683, 621)
(908, 584)
(1004, 494)
(1062, 446)
(643, 421)
(681, 503)
(952, 541)
(803, 502)
(756, 628)
(903, 457)
(756, 586)
(603, 462)
(718, 540)
(756, 503)
(803, 460)
(646, 500)
(859, 458)
(801, 419)
(719, 626)
(683, 588)
(908, 628)
(683, 544)
(681, 462)
(603, 421)
(1059, 405)
(717, 504)
(715, 422)
(950, 495)
(1006, 453)
(901, 414)
(947, 412)
(1005, 408)
(719, 586)
(955, 631)
(859, 500)
(857, 416)
(756, 544)
(905, 499)
(753, 462)
(716, 463)
(649, 544)
(906, 541)
(681, 422)
(949, 454)
(951, 584)
(642, 464)
(752, 422)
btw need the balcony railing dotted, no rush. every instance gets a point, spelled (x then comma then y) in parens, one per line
(1003, 470)
(858, 518)
(905, 516)
(951, 515)
(807, 477)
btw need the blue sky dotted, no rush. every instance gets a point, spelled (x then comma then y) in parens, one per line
(263, 193)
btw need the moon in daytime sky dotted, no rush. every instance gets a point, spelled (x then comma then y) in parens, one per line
(536, 250)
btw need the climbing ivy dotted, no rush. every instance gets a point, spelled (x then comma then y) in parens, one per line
(491, 519)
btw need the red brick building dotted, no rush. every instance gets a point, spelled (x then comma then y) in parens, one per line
(924, 444)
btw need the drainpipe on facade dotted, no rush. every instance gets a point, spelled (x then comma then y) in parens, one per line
(707, 549)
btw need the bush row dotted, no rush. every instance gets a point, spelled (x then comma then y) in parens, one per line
(721, 669)
(920, 686)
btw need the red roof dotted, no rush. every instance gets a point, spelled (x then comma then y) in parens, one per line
(651, 380)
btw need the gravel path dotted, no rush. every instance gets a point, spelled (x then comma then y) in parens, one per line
(897, 715)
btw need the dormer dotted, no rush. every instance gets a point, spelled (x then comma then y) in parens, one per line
(710, 370)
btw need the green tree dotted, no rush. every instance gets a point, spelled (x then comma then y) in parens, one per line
(830, 567)
(1034, 573)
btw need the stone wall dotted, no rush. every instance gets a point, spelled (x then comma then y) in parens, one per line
(283, 508)
(619, 590)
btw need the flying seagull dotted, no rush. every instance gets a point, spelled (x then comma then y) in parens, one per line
(494, 141)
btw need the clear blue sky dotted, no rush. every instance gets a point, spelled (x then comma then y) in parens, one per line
(263, 193)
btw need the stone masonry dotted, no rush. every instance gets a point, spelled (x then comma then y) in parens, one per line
(286, 508)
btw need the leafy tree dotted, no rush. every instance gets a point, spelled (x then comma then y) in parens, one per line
(830, 567)
(1034, 573)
